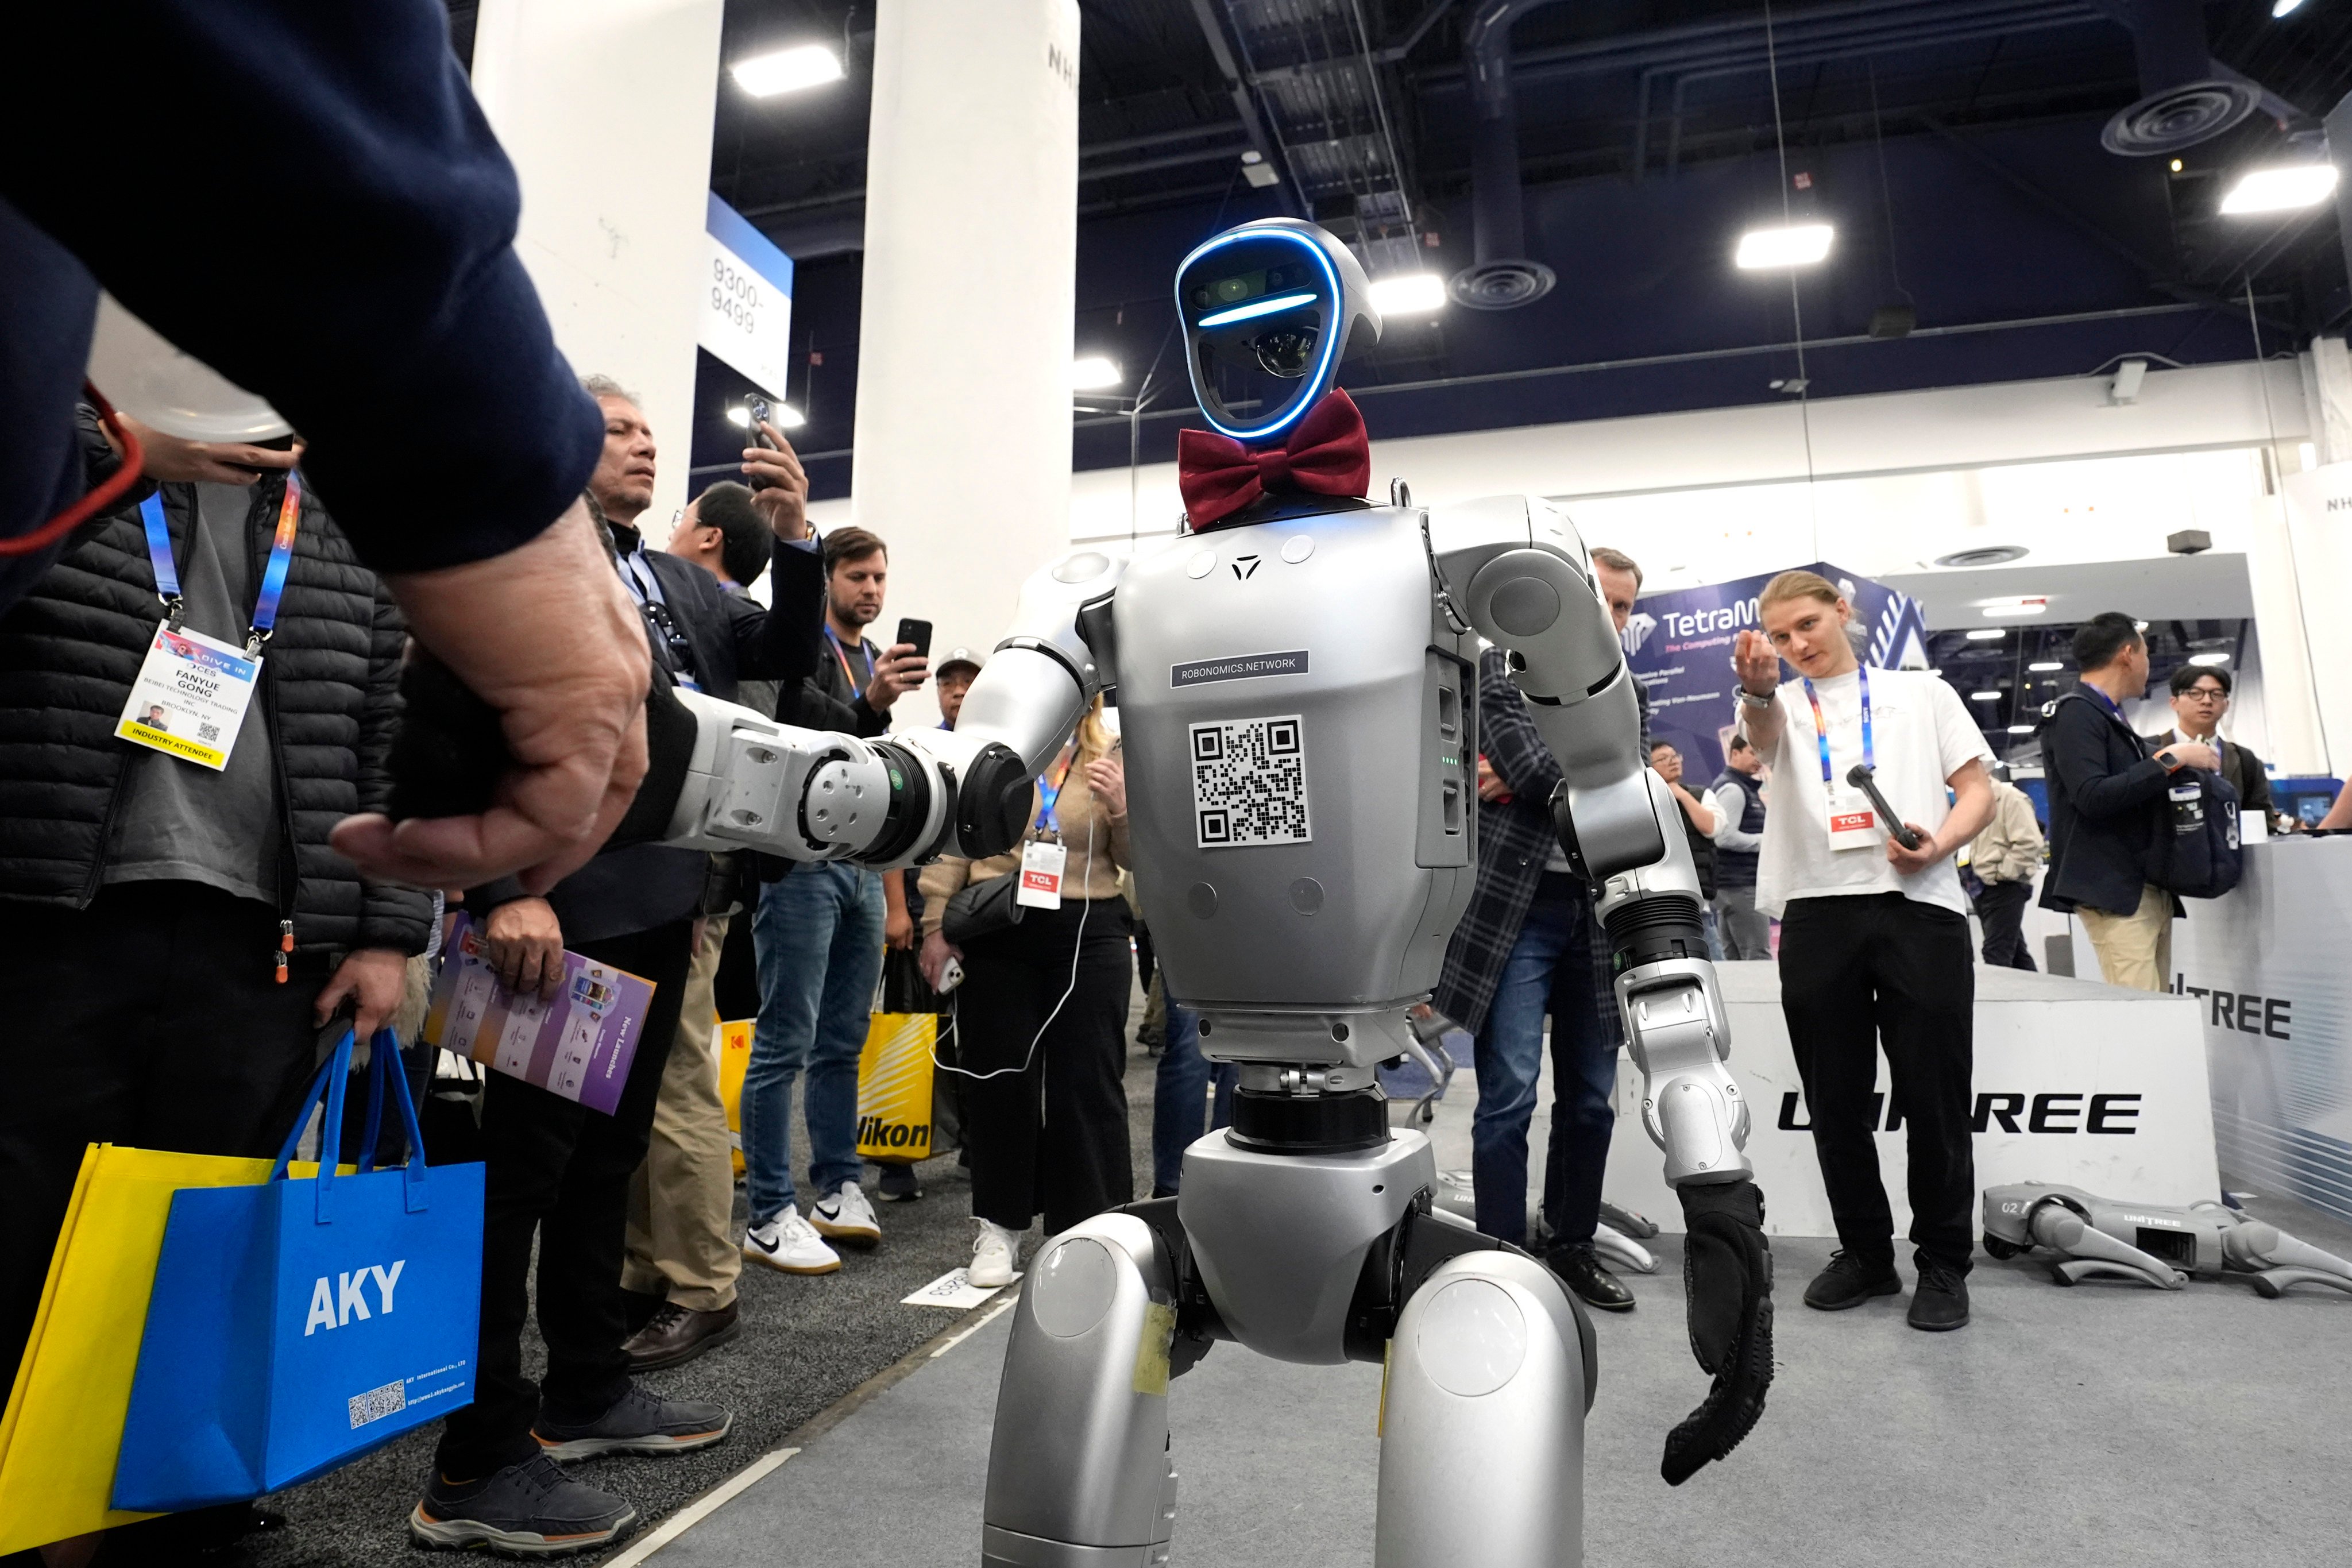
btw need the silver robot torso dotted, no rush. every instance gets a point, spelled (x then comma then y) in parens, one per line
(1293, 701)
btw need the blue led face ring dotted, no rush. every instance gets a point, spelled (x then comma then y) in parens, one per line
(1333, 332)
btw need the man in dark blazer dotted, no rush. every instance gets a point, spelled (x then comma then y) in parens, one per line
(2106, 794)
(1531, 943)
(556, 1169)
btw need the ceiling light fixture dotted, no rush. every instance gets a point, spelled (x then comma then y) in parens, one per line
(740, 417)
(2021, 729)
(1986, 634)
(2208, 660)
(2281, 189)
(1984, 695)
(2284, 7)
(784, 417)
(1092, 372)
(2044, 667)
(1409, 294)
(787, 70)
(1799, 245)
(1996, 608)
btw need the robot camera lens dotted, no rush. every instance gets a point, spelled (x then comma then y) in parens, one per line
(1200, 296)
(1284, 351)
(1231, 288)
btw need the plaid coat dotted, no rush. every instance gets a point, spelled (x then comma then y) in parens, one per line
(1515, 839)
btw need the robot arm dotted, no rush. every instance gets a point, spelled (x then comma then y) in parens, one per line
(1514, 571)
(894, 800)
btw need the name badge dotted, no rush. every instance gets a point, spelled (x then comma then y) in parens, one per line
(190, 698)
(1854, 823)
(1041, 876)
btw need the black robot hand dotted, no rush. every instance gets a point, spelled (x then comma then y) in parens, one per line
(450, 752)
(1728, 1278)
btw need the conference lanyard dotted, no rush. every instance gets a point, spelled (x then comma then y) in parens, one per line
(1051, 789)
(190, 696)
(1821, 727)
(273, 575)
(842, 654)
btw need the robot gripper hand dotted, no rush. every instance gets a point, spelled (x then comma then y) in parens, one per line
(1728, 1279)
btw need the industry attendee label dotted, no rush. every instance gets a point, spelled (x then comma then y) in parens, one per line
(1240, 667)
(1041, 876)
(190, 698)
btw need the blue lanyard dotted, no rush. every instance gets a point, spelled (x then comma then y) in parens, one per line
(273, 574)
(1051, 789)
(1822, 726)
(643, 586)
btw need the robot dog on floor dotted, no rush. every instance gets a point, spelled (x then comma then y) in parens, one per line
(2164, 1246)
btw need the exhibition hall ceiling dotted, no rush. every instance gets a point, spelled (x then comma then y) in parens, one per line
(1981, 231)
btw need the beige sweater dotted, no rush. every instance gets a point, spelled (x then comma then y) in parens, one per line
(1084, 875)
(2009, 847)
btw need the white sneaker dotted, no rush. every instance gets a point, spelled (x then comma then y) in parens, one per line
(993, 1253)
(845, 1215)
(790, 1243)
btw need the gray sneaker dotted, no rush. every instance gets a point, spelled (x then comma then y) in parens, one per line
(638, 1423)
(530, 1510)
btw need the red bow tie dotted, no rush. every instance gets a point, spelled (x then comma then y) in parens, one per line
(1327, 453)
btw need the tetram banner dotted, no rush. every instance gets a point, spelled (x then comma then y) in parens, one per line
(1678, 645)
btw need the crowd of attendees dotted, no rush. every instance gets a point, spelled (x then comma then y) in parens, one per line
(217, 886)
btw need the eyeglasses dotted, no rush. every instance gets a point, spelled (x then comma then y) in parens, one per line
(2206, 694)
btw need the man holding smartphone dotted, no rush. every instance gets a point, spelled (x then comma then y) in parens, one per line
(819, 934)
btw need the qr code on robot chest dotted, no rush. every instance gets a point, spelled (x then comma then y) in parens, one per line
(1249, 782)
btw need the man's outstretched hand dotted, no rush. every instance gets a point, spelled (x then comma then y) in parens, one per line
(1728, 1279)
(547, 637)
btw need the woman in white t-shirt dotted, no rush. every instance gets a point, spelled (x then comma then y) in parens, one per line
(1873, 937)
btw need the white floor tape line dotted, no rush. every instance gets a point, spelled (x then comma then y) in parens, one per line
(701, 1508)
(981, 1323)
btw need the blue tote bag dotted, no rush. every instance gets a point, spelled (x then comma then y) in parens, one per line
(296, 1325)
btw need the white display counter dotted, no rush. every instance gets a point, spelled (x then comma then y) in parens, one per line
(2076, 1082)
(2269, 969)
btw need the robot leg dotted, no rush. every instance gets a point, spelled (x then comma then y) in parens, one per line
(2277, 1260)
(1079, 1474)
(1482, 1433)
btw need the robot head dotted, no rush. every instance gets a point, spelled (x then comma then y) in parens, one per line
(1269, 311)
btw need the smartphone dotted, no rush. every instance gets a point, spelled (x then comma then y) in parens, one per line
(761, 414)
(919, 633)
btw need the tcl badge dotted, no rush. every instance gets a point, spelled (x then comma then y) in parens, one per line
(1853, 824)
(1041, 876)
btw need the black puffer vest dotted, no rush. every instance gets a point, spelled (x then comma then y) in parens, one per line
(328, 698)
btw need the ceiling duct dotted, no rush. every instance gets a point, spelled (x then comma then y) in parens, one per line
(2185, 95)
(1503, 278)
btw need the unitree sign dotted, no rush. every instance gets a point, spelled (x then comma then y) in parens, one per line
(747, 299)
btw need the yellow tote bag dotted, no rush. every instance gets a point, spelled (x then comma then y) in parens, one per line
(64, 1421)
(734, 1058)
(894, 1086)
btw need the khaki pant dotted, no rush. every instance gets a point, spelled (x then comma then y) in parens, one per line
(681, 1239)
(2135, 950)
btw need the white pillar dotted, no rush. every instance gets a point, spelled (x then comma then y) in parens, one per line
(605, 107)
(963, 356)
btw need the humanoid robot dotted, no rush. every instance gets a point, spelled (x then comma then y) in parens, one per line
(2164, 1246)
(1296, 688)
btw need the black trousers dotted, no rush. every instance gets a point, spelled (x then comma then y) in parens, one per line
(1863, 972)
(563, 1171)
(151, 1018)
(1051, 1138)
(2002, 907)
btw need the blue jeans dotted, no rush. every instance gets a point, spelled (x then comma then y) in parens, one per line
(1179, 1094)
(1553, 967)
(818, 936)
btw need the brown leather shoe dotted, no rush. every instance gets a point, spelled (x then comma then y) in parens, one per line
(677, 1334)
